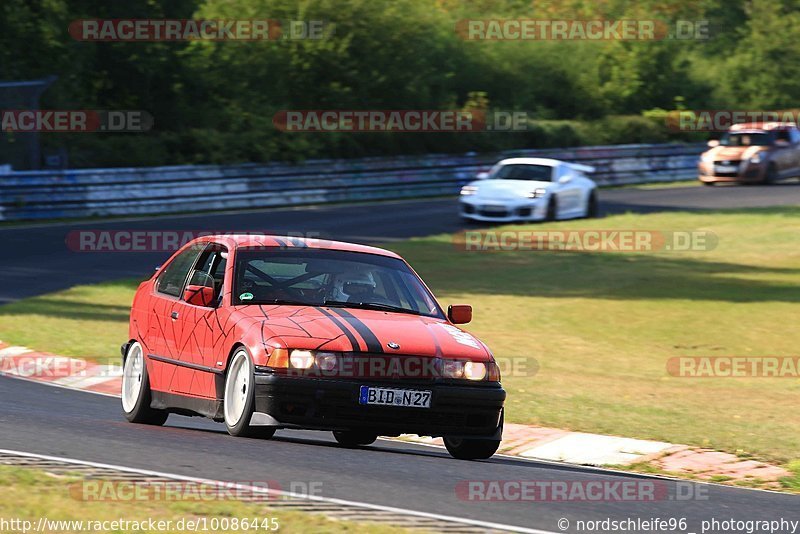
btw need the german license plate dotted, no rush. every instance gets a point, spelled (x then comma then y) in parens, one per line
(407, 398)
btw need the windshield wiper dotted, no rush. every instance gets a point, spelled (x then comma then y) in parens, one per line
(277, 301)
(370, 306)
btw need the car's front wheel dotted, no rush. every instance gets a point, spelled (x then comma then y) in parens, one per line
(772, 174)
(136, 394)
(474, 448)
(471, 449)
(591, 206)
(239, 399)
(354, 438)
(552, 209)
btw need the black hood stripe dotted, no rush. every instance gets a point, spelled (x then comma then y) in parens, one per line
(373, 344)
(343, 328)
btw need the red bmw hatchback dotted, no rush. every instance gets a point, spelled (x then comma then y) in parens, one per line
(263, 332)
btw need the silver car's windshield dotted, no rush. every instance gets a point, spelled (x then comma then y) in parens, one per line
(538, 173)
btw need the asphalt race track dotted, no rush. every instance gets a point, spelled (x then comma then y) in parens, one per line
(53, 421)
(58, 422)
(37, 259)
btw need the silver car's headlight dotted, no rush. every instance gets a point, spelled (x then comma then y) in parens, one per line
(468, 190)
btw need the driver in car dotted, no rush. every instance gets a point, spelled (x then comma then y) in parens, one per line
(356, 287)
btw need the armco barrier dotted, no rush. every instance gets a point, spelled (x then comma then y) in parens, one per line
(152, 190)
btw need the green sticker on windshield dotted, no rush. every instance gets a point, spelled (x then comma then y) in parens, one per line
(246, 296)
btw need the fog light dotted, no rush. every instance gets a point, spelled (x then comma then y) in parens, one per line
(301, 359)
(474, 370)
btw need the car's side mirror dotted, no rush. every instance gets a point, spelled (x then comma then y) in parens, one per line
(200, 289)
(565, 179)
(199, 295)
(459, 313)
(713, 143)
(482, 176)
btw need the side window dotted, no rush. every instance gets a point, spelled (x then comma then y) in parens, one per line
(172, 278)
(794, 136)
(212, 263)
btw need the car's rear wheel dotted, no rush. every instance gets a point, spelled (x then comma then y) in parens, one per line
(354, 438)
(136, 396)
(552, 209)
(474, 448)
(239, 399)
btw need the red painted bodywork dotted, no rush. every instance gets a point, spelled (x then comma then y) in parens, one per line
(206, 337)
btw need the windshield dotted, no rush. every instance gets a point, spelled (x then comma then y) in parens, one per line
(746, 139)
(318, 277)
(539, 173)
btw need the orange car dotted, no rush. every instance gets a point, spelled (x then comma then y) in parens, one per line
(752, 153)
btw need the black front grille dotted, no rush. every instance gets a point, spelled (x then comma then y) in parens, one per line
(492, 213)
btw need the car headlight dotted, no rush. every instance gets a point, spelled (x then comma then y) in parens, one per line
(301, 359)
(468, 190)
(758, 157)
(469, 370)
(474, 370)
(707, 157)
(326, 361)
(452, 369)
(537, 193)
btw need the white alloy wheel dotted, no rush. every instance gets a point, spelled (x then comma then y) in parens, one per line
(237, 388)
(132, 378)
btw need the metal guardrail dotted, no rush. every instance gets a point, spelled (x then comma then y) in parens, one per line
(156, 190)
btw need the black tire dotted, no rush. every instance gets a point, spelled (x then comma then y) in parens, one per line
(354, 438)
(473, 448)
(552, 209)
(591, 206)
(772, 174)
(709, 184)
(241, 428)
(141, 412)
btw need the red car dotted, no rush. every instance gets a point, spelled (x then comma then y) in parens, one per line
(263, 332)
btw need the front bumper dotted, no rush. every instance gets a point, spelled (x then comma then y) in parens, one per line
(331, 404)
(746, 173)
(508, 211)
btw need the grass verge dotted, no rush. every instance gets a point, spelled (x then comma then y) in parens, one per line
(29, 494)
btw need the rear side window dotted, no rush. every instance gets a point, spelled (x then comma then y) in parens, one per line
(172, 278)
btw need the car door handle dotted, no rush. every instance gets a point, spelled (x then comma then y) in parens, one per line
(174, 315)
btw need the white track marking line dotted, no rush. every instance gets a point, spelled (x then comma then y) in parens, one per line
(261, 490)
